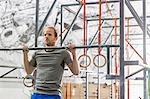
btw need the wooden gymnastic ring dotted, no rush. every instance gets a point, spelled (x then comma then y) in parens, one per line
(88, 58)
(28, 77)
(97, 65)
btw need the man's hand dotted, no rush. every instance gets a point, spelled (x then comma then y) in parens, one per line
(74, 67)
(72, 48)
(25, 49)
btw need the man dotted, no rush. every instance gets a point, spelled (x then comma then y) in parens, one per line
(50, 65)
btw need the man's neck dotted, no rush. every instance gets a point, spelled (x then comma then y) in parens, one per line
(49, 50)
(50, 45)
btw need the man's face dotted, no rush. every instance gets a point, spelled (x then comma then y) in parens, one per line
(49, 37)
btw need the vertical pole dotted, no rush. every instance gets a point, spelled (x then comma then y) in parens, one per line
(36, 21)
(87, 85)
(61, 24)
(144, 48)
(99, 43)
(127, 52)
(84, 25)
(98, 83)
(108, 60)
(144, 31)
(122, 18)
(71, 89)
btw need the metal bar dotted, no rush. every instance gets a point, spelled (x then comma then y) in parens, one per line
(137, 38)
(98, 84)
(108, 52)
(131, 62)
(122, 33)
(71, 11)
(8, 72)
(119, 26)
(133, 34)
(144, 31)
(91, 3)
(135, 73)
(11, 77)
(145, 84)
(87, 84)
(134, 50)
(111, 77)
(116, 18)
(71, 25)
(11, 67)
(46, 17)
(36, 21)
(61, 25)
(144, 49)
(108, 60)
(139, 78)
(137, 18)
(140, 44)
(108, 36)
(43, 48)
(94, 36)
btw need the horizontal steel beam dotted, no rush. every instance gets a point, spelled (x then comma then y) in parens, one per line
(111, 77)
(11, 67)
(13, 77)
(91, 3)
(131, 62)
(44, 48)
(111, 19)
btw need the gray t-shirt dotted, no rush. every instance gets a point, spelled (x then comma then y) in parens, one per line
(50, 67)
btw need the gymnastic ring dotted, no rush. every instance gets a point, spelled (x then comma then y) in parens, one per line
(99, 65)
(28, 77)
(87, 58)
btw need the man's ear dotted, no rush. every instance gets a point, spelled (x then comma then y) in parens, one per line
(56, 38)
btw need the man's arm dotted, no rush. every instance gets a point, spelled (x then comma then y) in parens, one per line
(29, 69)
(74, 66)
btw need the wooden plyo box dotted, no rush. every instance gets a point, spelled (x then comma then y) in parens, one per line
(77, 91)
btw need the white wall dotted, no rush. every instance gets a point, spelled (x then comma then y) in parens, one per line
(13, 89)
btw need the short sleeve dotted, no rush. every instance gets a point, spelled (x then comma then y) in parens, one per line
(67, 57)
(32, 62)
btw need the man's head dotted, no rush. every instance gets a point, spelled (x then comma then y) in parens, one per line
(50, 36)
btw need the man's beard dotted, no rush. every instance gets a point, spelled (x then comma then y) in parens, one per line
(48, 45)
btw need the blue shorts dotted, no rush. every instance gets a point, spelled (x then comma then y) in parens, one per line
(44, 96)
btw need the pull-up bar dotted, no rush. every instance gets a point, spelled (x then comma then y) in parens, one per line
(43, 48)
